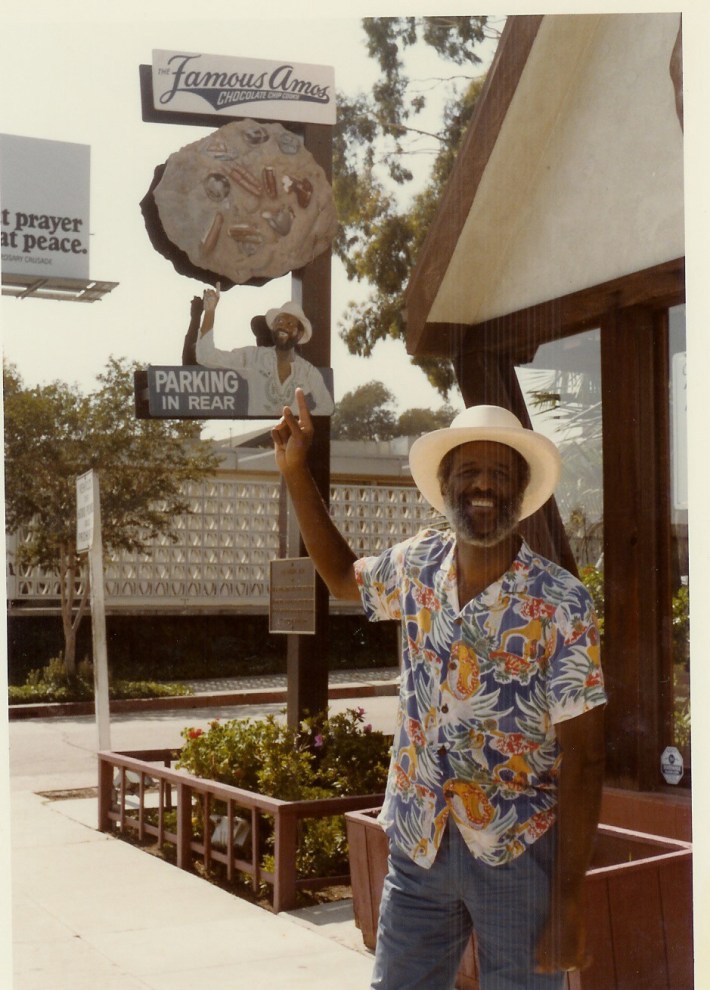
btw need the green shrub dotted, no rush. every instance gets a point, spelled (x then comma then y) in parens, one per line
(53, 684)
(324, 757)
(593, 579)
(681, 626)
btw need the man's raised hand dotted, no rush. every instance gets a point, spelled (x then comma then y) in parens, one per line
(210, 298)
(293, 436)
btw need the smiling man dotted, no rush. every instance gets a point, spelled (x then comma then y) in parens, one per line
(482, 485)
(497, 765)
(272, 373)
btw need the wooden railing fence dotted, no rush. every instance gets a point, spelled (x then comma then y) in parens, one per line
(181, 792)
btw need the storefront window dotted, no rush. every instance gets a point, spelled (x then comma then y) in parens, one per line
(679, 532)
(562, 389)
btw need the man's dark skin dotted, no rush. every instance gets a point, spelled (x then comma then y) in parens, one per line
(484, 478)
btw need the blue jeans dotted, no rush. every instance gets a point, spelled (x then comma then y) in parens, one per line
(426, 918)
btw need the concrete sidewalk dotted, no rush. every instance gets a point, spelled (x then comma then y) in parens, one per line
(93, 911)
(89, 910)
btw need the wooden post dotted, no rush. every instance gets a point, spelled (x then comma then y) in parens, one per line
(285, 848)
(307, 662)
(307, 656)
(184, 826)
(105, 789)
(637, 539)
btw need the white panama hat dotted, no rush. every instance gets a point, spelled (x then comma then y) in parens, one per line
(293, 309)
(500, 426)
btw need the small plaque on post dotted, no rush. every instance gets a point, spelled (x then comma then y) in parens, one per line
(292, 596)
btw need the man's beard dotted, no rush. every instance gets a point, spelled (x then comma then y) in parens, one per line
(466, 530)
(283, 345)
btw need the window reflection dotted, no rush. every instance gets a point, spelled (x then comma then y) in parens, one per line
(679, 531)
(562, 389)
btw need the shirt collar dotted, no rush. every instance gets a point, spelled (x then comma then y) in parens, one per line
(514, 580)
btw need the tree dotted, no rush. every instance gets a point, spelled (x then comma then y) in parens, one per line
(379, 239)
(53, 434)
(366, 413)
(414, 422)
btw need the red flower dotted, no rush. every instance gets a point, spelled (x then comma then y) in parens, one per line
(577, 631)
(513, 664)
(415, 733)
(194, 733)
(514, 743)
(427, 598)
(536, 608)
(540, 823)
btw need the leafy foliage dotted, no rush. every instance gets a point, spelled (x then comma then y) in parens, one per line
(54, 684)
(681, 626)
(593, 580)
(53, 434)
(379, 238)
(324, 757)
(321, 758)
(367, 413)
(364, 413)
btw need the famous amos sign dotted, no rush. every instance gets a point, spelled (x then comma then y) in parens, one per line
(185, 82)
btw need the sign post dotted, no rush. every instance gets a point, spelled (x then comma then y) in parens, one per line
(88, 539)
(168, 96)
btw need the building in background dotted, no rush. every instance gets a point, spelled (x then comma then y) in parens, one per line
(212, 583)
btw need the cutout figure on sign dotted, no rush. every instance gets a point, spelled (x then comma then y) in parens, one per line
(272, 373)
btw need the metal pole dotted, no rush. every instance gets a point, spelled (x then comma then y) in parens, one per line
(98, 625)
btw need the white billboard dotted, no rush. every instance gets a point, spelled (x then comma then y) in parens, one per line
(44, 202)
(185, 82)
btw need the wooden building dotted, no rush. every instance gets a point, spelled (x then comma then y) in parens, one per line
(553, 278)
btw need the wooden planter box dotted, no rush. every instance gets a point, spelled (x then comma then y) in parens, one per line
(638, 900)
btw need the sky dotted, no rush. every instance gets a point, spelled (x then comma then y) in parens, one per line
(73, 76)
(82, 86)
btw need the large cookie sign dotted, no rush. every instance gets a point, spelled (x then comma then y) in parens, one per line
(248, 201)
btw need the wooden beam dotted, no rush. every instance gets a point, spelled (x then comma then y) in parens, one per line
(522, 332)
(492, 105)
(637, 540)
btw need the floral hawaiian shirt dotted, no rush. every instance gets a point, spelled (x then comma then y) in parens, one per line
(482, 689)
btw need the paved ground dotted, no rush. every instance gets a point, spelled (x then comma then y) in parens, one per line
(376, 675)
(91, 911)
